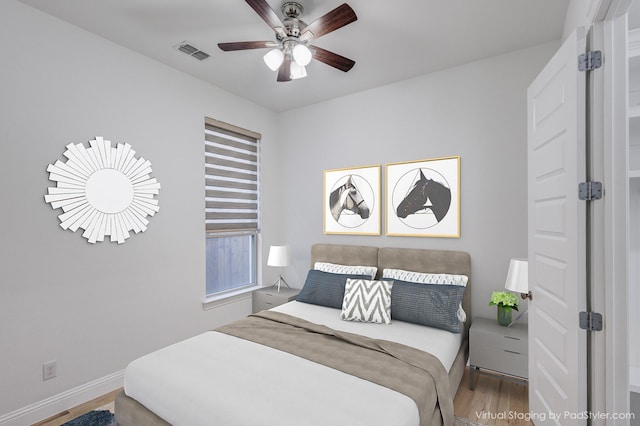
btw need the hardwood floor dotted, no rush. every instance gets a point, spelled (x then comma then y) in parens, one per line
(493, 402)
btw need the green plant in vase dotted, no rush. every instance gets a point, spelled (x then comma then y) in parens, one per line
(505, 302)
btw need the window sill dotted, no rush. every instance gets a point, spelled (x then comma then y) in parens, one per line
(228, 297)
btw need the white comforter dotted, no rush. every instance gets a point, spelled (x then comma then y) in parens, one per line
(217, 379)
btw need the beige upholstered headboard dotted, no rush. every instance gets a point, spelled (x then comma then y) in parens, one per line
(344, 254)
(419, 260)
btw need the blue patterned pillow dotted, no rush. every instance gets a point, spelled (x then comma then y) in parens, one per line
(429, 278)
(324, 288)
(432, 305)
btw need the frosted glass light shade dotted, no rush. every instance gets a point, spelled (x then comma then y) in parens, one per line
(302, 54)
(518, 276)
(274, 59)
(297, 71)
(278, 256)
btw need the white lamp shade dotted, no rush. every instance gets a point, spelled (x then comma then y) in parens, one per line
(302, 55)
(518, 276)
(274, 59)
(297, 71)
(278, 256)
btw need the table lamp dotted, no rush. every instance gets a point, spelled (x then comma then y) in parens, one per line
(518, 281)
(279, 256)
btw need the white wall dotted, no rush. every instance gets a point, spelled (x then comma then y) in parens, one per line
(94, 308)
(476, 111)
(580, 13)
(583, 13)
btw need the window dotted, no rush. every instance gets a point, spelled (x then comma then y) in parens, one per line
(231, 206)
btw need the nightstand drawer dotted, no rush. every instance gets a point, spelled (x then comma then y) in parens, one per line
(500, 360)
(507, 339)
(269, 297)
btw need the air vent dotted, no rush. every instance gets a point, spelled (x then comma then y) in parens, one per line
(200, 55)
(191, 50)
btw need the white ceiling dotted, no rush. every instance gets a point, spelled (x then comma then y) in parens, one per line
(390, 41)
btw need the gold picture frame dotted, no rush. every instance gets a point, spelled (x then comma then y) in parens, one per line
(352, 201)
(423, 198)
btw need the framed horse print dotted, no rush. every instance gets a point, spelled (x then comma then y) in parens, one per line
(423, 198)
(352, 201)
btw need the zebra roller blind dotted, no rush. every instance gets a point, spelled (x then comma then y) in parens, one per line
(231, 178)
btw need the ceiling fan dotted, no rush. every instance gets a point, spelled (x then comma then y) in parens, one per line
(291, 52)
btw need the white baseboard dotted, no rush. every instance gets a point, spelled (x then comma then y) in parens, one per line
(63, 401)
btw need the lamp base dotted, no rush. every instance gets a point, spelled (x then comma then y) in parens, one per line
(518, 317)
(278, 283)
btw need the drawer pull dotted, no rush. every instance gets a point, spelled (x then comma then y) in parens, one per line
(512, 352)
(512, 338)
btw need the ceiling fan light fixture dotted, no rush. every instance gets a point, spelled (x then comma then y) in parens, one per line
(290, 52)
(274, 59)
(302, 55)
(297, 71)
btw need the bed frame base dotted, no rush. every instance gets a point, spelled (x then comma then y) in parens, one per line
(130, 412)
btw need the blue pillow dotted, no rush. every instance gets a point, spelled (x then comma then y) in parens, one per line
(433, 305)
(325, 289)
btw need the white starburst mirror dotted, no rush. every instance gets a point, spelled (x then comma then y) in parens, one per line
(104, 190)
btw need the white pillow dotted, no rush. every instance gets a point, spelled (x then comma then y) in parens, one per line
(335, 268)
(367, 301)
(426, 278)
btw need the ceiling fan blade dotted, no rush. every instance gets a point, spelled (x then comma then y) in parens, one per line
(333, 59)
(337, 18)
(284, 73)
(245, 45)
(269, 16)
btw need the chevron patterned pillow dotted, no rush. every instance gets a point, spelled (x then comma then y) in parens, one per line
(367, 301)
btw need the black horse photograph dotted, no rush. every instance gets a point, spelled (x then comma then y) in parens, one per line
(426, 196)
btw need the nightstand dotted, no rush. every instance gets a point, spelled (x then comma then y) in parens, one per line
(268, 297)
(498, 349)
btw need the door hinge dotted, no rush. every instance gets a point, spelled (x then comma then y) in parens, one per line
(590, 61)
(591, 321)
(589, 191)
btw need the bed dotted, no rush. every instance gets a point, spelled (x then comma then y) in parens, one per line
(265, 369)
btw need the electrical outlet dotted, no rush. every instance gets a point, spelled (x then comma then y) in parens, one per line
(49, 370)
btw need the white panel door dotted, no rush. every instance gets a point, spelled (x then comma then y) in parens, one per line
(557, 238)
